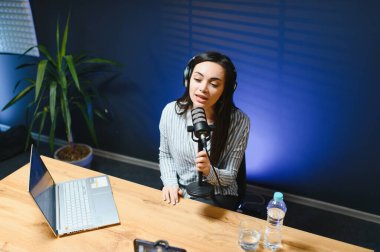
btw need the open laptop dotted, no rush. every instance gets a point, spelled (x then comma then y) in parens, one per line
(72, 206)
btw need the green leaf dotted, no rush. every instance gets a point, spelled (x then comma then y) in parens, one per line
(101, 61)
(38, 103)
(26, 65)
(62, 80)
(53, 97)
(42, 123)
(28, 50)
(37, 114)
(57, 36)
(35, 117)
(40, 77)
(16, 86)
(45, 52)
(66, 115)
(70, 63)
(19, 82)
(52, 132)
(30, 80)
(18, 97)
(64, 39)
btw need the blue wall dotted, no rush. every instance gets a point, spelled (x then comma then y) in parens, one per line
(307, 77)
(9, 76)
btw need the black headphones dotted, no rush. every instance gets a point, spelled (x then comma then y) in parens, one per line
(191, 64)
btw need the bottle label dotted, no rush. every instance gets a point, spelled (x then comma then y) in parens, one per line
(276, 216)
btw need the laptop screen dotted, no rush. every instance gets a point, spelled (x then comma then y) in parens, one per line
(42, 187)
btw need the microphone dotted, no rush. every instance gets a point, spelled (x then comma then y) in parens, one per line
(201, 130)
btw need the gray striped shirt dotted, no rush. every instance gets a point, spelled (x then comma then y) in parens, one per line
(178, 151)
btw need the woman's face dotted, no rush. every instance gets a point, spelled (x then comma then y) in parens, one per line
(206, 85)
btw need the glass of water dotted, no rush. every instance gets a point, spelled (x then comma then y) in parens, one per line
(249, 235)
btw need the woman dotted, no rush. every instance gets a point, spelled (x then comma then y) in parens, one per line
(210, 81)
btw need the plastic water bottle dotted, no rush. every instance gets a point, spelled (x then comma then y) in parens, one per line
(276, 210)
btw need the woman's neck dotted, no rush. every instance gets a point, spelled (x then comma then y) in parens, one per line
(210, 115)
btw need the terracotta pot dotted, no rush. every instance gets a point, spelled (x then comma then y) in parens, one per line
(84, 162)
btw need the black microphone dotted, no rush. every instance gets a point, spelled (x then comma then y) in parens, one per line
(201, 128)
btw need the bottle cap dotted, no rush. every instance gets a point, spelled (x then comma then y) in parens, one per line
(277, 196)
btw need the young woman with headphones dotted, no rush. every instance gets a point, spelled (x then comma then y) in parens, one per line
(210, 81)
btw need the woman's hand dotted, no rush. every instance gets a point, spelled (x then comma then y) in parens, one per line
(202, 163)
(170, 194)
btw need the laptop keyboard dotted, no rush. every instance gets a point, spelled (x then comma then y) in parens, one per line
(77, 206)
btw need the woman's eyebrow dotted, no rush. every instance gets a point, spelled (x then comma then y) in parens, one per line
(213, 78)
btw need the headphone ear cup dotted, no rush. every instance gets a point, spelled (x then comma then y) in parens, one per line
(185, 74)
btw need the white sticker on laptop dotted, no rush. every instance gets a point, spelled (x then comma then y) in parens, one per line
(99, 182)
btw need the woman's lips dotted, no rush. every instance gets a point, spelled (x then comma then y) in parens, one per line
(201, 98)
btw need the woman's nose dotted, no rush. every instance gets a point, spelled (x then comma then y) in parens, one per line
(203, 86)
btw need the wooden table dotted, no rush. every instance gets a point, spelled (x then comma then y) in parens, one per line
(192, 225)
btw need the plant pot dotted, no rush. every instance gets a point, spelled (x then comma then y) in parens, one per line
(84, 161)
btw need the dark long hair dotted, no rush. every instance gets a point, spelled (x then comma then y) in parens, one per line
(223, 107)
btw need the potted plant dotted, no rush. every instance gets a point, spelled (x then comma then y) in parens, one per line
(63, 84)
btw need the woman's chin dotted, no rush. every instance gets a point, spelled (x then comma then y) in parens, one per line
(199, 104)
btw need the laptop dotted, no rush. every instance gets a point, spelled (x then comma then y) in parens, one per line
(73, 206)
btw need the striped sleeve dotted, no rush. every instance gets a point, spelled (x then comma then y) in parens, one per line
(167, 166)
(234, 152)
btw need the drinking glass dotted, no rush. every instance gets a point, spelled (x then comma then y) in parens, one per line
(249, 235)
